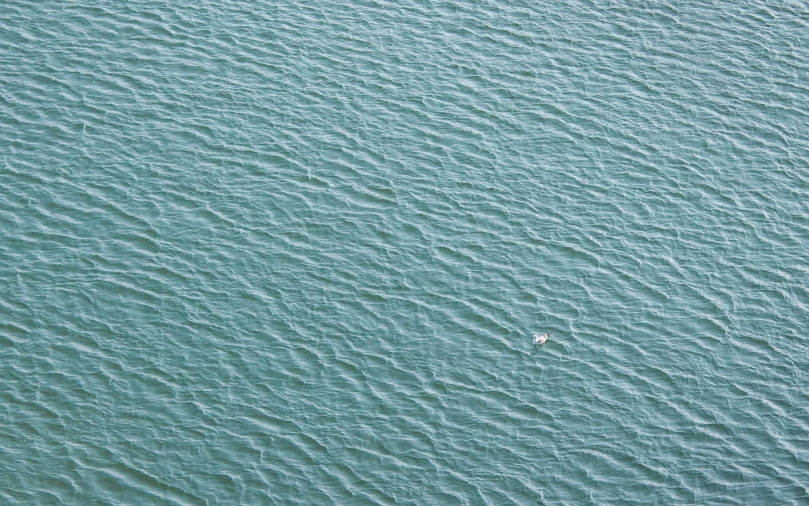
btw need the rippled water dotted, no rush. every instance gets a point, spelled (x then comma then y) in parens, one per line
(294, 252)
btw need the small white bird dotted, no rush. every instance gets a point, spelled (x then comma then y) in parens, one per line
(541, 339)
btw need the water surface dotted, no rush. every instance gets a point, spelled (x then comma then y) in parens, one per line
(294, 252)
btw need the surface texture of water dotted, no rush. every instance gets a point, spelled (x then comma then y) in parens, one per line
(293, 252)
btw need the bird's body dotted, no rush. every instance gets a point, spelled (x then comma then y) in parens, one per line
(540, 339)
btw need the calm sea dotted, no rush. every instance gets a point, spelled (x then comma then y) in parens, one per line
(294, 252)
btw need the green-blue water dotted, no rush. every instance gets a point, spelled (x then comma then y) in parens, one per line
(294, 252)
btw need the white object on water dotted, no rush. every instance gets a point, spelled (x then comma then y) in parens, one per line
(541, 339)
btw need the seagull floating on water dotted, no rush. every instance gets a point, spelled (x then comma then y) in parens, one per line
(541, 339)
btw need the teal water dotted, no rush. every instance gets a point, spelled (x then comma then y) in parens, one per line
(294, 252)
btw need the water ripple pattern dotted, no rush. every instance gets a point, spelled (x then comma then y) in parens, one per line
(294, 252)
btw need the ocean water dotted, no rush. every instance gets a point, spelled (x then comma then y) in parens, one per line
(294, 252)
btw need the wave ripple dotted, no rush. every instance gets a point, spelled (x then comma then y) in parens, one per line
(293, 252)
